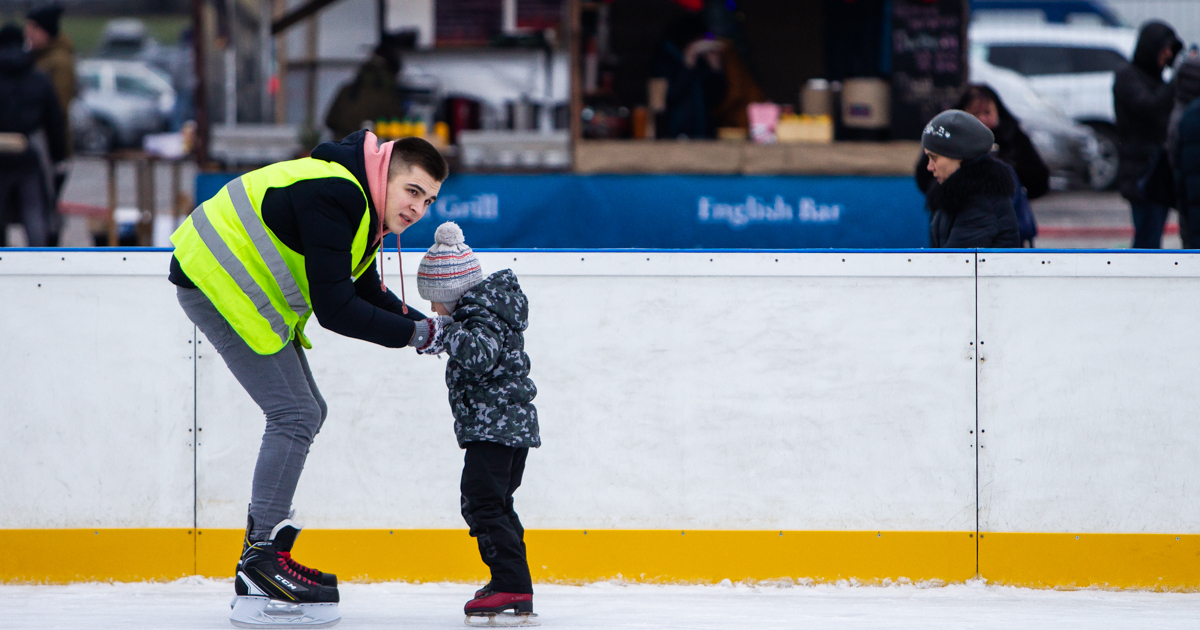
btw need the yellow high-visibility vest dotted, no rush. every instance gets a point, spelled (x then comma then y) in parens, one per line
(256, 282)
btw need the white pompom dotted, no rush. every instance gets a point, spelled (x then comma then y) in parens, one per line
(448, 233)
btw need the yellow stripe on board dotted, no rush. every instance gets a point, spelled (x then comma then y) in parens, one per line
(1157, 561)
(79, 555)
(554, 555)
(1143, 561)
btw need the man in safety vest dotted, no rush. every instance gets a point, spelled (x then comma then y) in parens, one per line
(251, 265)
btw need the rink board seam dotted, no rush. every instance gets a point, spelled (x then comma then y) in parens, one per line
(1041, 560)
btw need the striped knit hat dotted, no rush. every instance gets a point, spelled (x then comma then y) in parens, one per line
(449, 268)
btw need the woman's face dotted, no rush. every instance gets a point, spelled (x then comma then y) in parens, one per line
(986, 111)
(941, 166)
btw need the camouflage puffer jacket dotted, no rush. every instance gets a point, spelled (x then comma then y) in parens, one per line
(488, 371)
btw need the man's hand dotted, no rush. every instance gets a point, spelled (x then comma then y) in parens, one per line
(428, 337)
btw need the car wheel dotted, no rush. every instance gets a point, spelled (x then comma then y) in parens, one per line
(1102, 170)
(98, 138)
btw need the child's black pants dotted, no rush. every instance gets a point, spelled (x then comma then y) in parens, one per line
(491, 474)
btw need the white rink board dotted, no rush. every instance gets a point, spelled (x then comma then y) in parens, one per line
(96, 382)
(805, 391)
(667, 399)
(1088, 392)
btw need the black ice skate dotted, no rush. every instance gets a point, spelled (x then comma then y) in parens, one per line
(284, 536)
(490, 608)
(275, 591)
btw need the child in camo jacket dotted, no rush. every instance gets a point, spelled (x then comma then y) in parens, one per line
(491, 399)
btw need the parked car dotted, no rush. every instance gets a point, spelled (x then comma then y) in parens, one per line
(119, 103)
(1072, 151)
(1070, 66)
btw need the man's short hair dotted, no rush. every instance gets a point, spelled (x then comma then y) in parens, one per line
(409, 152)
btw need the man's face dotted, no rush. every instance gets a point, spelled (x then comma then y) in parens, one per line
(941, 166)
(35, 36)
(409, 195)
(1165, 57)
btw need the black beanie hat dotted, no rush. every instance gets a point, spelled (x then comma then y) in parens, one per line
(47, 17)
(958, 135)
(11, 36)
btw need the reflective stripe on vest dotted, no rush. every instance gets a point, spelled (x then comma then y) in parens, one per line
(258, 284)
(240, 275)
(262, 242)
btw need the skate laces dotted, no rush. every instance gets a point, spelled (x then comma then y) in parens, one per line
(292, 562)
(297, 569)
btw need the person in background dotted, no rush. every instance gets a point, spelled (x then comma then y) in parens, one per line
(1014, 149)
(971, 201)
(28, 105)
(54, 55)
(709, 84)
(373, 94)
(1183, 148)
(1143, 103)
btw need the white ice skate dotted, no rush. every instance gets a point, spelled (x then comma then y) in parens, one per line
(263, 612)
(504, 619)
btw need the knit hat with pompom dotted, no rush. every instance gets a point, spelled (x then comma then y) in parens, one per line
(449, 268)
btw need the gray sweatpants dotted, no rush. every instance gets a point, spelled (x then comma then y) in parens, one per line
(282, 385)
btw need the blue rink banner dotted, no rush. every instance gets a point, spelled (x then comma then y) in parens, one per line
(678, 212)
(674, 212)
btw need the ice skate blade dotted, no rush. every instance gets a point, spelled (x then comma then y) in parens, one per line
(504, 619)
(261, 612)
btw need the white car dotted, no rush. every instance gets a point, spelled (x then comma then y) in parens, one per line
(119, 102)
(1070, 66)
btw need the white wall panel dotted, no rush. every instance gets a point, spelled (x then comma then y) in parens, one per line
(96, 388)
(1087, 392)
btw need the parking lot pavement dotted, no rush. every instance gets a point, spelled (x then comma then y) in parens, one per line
(1090, 220)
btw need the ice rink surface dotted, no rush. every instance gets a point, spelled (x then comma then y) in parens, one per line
(196, 603)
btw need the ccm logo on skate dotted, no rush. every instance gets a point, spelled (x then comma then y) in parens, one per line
(284, 582)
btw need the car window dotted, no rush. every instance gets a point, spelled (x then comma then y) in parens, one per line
(1096, 59)
(89, 81)
(135, 86)
(1042, 60)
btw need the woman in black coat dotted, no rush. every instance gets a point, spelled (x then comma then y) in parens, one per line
(971, 200)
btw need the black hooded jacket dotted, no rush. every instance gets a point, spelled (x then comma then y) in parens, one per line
(973, 207)
(28, 103)
(1143, 103)
(1015, 148)
(317, 218)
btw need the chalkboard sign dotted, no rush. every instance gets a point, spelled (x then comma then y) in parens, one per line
(928, 61)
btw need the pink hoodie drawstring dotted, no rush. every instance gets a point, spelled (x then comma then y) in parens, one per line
(403, 301)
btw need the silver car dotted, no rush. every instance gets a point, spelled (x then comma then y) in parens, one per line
(119, 103)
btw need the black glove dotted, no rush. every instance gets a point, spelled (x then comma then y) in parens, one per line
(428, 337)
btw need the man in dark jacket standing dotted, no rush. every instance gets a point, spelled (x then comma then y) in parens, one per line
(1143, 102)
(972, 199)
(27, 104)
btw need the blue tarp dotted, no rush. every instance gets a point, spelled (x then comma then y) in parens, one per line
(671, 211)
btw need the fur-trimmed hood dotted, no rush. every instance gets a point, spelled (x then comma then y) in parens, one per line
(981, 176)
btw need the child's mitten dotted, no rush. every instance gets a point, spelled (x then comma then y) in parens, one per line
(428, 337)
